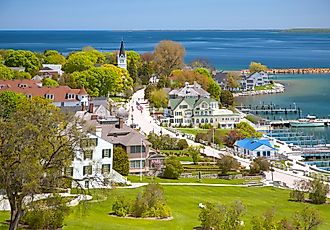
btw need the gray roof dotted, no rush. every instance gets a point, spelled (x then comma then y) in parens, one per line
(193, 102)
(125, 136)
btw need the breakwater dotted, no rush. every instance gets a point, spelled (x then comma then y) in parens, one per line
(294, 71)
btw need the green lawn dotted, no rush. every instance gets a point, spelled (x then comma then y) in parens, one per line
(194, 131)
(264, 87)
(184, 201)
(148, 179)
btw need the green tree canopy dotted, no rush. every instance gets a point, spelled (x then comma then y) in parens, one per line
(257, 67)
(23, 58)
(9, 102)
(6, 73)
(49, 82)
(226, 98)
(37, 143)
(22, 75)
(215, 90)
(168, 56)
(53, 57)
(173, 168)
(101, 81)
(159, 98)
(133, 64)
(228, 163)
(120, 161)
(247, 130)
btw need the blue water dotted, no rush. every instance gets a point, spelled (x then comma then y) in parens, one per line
(224, 49)
(310, 92)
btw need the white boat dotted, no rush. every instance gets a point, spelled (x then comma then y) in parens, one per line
(309, 121)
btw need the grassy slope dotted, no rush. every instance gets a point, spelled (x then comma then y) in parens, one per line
(183, 201)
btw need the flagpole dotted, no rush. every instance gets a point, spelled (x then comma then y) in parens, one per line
(141, 161)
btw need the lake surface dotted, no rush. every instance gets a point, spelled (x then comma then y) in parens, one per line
(224, 49)
(309, 92)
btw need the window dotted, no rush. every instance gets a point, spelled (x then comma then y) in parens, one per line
(88, 154)
(91, 142)
(137, 149)
(136, 164)
(183, 106)
(49, 96)
(106, 153)
(202, 121)
(70, 96)
(106, 169)
(258, 154)
(87, 170)
(86, 184)
(69, 172)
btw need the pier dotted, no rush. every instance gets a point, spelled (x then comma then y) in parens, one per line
(269, 109)
(294, 71)
(286, 123)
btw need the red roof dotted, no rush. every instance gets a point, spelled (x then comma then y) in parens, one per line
(35, 88)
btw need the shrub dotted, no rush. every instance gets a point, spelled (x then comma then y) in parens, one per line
(151, 203)
(182, 144)
(173, 168)
(46, 214)
(205, 126)
(228, 163)
(318, 191)
(121, 207)
(259, 165)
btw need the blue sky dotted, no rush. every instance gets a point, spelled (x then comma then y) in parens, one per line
(163, 14)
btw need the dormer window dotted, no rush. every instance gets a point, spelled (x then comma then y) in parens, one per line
(22, 85)
(70, 96)
(49, 96)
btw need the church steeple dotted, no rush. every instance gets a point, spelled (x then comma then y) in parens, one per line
(121, 58)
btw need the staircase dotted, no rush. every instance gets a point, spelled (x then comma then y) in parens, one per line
(118, 178)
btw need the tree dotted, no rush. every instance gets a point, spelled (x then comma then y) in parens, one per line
(22, 75)
(247, 130)
(120, 161)
(307, 219)
(318, 191)
(215, 90)
(37, 141)
(173, 168)
(202, 63)
(259, 164)
(228, 163)
(226, 98)
(232, 136)
(159, 98)
(9, 103)
(6, 73)
(194, 152)
(53, 57)
(218, 216)
(49, 82)
(256, 67)
(233, 80)
(168, 56)
(83, 60)
(182, 144)
(299, 191)
(102, 81)
(133, 64)
(23, 58)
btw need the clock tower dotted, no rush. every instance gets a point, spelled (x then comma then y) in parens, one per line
(121, 58)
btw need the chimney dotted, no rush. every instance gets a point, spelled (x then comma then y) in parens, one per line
(98, 131)
(121, 123)
(91, 107)
(83, 107)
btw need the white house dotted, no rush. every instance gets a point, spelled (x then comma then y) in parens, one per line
(255, 79)
(255, 147)
(189, 91)
(92, 167)
(51, 69)
(195, 112)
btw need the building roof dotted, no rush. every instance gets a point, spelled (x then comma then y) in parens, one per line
(122, 49)
(253, 143)
(192, 102)
(194, 90)
(35, 88)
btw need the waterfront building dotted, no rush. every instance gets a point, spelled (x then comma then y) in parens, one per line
(61, 96)
(189, 91)
(199, 111)
(249, 82)
(121, 57)
(51, 70)
(255, 147)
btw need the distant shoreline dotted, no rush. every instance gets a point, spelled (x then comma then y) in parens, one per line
(294, 71)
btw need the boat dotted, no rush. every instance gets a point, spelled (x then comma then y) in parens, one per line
(309, 121)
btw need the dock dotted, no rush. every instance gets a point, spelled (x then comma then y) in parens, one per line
(269, 109)
(326, 122)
